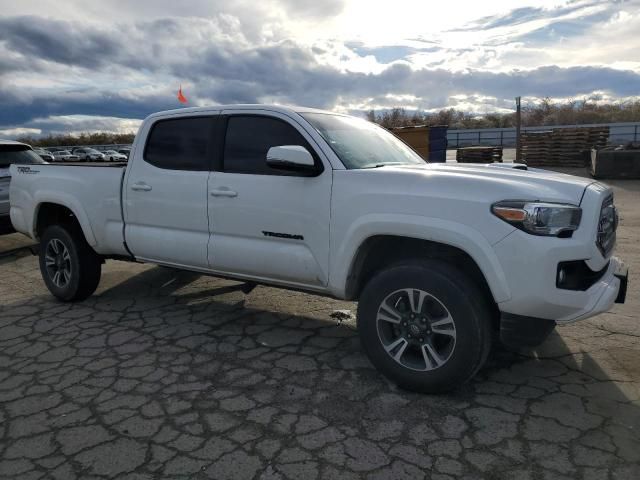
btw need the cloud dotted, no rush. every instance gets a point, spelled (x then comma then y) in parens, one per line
(57, 41)
(58, 75)
(524, 15)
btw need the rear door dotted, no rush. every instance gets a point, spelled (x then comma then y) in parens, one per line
(166, 192)
(266, 223)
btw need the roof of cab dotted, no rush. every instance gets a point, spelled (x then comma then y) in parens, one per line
(286, 109)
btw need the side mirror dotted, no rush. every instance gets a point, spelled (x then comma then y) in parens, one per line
(290, 157)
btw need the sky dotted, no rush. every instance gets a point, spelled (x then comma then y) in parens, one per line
(103, 65)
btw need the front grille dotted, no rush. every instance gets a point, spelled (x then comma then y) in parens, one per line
(607, 225)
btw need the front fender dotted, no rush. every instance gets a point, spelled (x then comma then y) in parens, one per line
(425, 228)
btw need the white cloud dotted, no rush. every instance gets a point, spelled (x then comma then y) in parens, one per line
(19, 132)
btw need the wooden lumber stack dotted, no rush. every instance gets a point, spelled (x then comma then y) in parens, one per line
(562, 147)
(479, 154)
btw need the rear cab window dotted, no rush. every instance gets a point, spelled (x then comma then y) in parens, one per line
(184, 143)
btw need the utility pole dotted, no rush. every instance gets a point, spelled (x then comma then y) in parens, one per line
(518, 123)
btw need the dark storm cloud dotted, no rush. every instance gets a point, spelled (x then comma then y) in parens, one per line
(19, 110)
(57, 41)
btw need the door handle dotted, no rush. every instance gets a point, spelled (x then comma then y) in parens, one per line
(223, 192)
(141, 187)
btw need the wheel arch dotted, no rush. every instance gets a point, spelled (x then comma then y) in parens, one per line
(60, 213)
(379, 251)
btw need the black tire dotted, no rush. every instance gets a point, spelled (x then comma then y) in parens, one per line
(464, 336)
(83, 264)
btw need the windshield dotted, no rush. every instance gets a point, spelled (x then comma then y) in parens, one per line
(17, 155)
(362, 144)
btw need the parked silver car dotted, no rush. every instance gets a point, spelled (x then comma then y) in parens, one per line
(64, 156)
(86, 154)
(11, 153)
(44, 154)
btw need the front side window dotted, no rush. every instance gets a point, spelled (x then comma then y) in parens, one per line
(362, 144)
(249, 138)
(17, 155)
(180, 144)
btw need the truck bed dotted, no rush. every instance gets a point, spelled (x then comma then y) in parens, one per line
(91, 191)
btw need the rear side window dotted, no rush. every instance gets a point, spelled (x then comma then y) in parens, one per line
(249, 138)
(180, 144)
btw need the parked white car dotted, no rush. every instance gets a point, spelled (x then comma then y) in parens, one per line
(114, 156)
(440, 257)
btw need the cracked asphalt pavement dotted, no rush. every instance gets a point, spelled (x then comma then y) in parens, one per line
(167, 374)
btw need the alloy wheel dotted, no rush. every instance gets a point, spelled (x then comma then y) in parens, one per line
(416, 329)
(58, 263)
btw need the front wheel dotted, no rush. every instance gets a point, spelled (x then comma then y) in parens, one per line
(425, 325)
(70, 268)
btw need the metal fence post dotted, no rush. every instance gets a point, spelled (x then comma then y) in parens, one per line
(635, 133)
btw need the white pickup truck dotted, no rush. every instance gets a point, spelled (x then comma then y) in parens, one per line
(441, 257)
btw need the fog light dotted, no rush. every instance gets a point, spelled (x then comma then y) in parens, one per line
(576, 275)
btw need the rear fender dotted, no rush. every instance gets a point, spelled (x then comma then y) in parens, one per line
(68, 201)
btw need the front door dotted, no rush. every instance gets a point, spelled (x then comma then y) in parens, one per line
(166, 192)
(267, 223)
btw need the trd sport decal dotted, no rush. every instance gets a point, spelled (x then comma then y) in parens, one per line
(282, 235)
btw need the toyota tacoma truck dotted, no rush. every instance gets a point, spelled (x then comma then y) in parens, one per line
(442, 258)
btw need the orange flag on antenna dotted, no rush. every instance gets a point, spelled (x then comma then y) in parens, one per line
(181, 97)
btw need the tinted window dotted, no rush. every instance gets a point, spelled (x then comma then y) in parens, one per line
(248, 140)
(180, 144)
(17, 154)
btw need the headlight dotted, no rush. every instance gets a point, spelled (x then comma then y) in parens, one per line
(540, 218)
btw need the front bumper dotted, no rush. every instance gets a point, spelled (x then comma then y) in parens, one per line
(530, 266)
(535, 294)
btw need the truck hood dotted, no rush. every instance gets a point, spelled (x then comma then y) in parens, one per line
(506, 181)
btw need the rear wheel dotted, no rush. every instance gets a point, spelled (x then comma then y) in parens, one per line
(425, 325)
(70, 268)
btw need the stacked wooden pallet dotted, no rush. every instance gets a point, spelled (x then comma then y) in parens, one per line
(479, 154)
(562, 147)
(417, 137)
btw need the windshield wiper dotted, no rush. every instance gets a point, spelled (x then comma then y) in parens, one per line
(378, 165)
